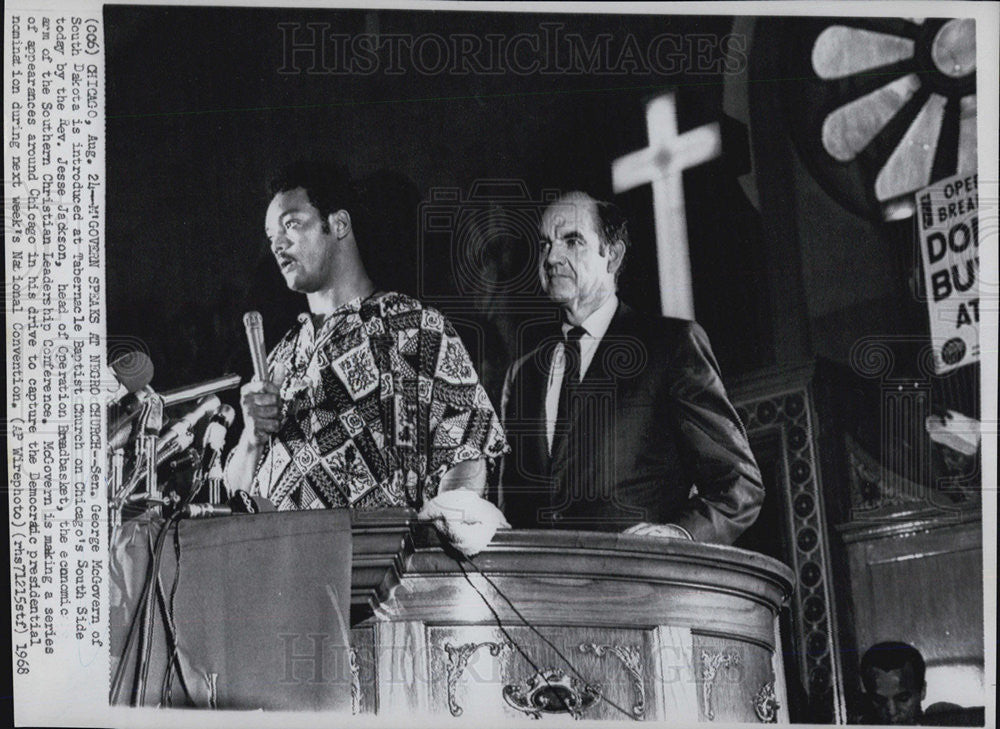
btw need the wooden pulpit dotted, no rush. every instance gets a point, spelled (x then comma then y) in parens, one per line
(548, 623)
(541, 624)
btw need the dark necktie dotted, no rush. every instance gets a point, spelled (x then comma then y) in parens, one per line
(570, 380)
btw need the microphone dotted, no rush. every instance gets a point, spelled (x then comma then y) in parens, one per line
(147, 429)
(151, 416)
(134, 371)
(120, 420)
(200, 389)
(188, 459)
(187, 423)
(239, 503)
(175, 445)
(180, 434)
(121, 417)
(253, 322)
(203, 511)
(215, 435)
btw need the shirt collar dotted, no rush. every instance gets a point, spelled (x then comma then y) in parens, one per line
(305, 318)
(596, 325)
(352, 305)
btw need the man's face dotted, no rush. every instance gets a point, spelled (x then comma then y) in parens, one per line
(894, 695)
(301, 241)
(572, 268)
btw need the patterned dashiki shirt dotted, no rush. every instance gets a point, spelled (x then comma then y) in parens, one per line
(377, 405)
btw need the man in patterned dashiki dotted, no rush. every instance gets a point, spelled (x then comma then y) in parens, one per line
(372, 400)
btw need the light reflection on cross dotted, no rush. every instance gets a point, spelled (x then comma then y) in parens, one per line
(661, 164)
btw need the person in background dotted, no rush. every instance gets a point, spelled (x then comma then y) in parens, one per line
(893, 677)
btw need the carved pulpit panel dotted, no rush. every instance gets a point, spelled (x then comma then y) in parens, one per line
(575, 625)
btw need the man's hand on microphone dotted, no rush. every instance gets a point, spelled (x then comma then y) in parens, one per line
(261, 405)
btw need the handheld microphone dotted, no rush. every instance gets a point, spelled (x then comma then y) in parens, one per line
(253, 322)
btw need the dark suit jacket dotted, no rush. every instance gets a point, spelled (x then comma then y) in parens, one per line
(650, 420)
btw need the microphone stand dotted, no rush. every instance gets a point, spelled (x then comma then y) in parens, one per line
(166, 447)
(206, 474)
(210, 469)
(115, 483)
(150, 423)
(149, 426)
(215, 481)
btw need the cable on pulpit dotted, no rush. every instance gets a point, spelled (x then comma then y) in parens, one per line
(509, 637)
(166, 690)
(537, 632)
(142, 615)
(173, 660)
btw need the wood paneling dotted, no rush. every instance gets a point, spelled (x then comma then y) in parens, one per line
(363, 645)
(677, 689)
(617, 626)
(401, 669)
(475, 688)
(729, 675)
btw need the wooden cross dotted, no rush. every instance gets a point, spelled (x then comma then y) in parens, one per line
(661, 164)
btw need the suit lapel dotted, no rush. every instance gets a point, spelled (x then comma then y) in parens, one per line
(613, 337)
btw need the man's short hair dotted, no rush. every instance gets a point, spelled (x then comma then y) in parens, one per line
(613, 228)
(327, 185)
(611, 224)
(893, 655)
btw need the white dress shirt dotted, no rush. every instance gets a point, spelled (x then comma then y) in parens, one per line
(595, 327)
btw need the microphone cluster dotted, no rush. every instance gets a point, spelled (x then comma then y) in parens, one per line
(137, 425)
(140, 433)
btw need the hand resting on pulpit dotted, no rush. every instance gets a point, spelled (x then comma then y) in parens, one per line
(460, 515)
(646, 529)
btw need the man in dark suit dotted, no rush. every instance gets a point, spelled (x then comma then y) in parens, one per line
(619, 421)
